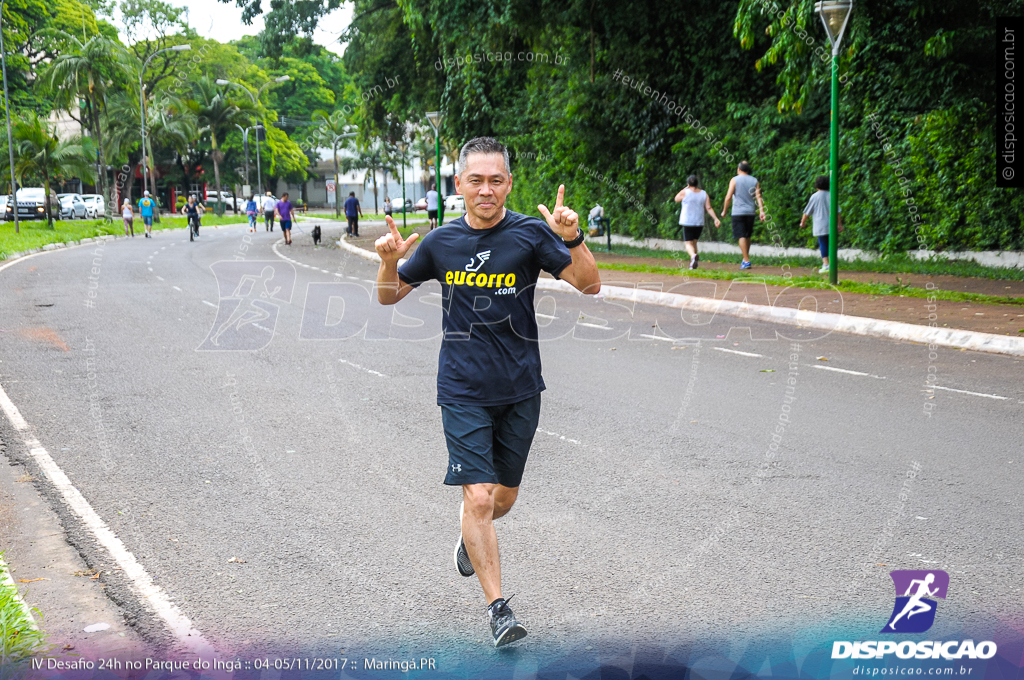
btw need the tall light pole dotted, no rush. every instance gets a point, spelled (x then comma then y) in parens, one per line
(435, 117)
(142, 110)
(255, 101)
(835, 15)
(337, 179)
(402, 145)
(13, 201)
(245, 148)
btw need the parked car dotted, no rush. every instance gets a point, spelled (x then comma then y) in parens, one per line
(455, 203)
(32, 204)
(225, 197)
(397, 207)
(421, 204)
(72, 207)
(95, 205)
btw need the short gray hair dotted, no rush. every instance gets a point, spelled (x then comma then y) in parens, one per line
(483, 145)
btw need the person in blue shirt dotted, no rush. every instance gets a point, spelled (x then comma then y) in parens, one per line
(489, 370)
(250, 210)
(146, 205)
(353, 212)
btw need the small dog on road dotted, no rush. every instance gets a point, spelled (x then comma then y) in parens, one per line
(316, 235)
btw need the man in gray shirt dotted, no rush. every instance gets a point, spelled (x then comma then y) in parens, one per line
(745, 189)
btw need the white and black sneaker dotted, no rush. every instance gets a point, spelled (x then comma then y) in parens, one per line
(462, 561)
(504, 626)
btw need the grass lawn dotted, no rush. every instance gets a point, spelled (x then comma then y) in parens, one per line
(35, 234)
(812, 282)
(897, 264)
(20, 640)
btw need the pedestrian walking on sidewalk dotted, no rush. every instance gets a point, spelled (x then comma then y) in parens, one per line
(819, 209)
(490, 384)
(129, 218)
(251, 210)
(744, 190)
(691, 215)
(353, 211)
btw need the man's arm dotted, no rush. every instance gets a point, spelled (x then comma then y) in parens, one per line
(760, 202)
(391, 248)
(728, 195)
(582, 274)
(679, 196)
(711, 211)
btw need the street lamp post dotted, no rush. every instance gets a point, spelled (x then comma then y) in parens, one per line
(13, 201)
(255, 100)
(142, 110)
(835, 15)
(402, 145)
(245, 148)
(435, 117)
(337, 179)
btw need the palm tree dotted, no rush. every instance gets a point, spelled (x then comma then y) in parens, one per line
(332, 130)
(39, 153)
(84, 70)
(373, 157)
(216, 114)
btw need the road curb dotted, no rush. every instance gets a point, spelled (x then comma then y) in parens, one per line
(8, 580)
(826, 321)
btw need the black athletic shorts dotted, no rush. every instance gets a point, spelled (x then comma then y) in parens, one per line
(742, 226)
(489, 444)
(691, 233)
(431, 214)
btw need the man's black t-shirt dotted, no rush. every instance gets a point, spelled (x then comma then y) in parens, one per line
(490, 354)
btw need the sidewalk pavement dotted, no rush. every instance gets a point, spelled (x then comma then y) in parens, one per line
(991, 328)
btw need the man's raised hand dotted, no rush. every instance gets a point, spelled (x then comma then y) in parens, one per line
(563, 221)
(391, 247)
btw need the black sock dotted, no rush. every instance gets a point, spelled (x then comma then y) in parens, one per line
(495, 605)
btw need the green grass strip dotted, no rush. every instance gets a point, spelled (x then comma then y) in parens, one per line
(891, 289)
(897, 264)
(21, 640)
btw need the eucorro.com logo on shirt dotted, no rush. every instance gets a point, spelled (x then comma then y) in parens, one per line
(914, 612)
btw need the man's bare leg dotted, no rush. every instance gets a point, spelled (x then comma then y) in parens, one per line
(485, 503)
(745, 249)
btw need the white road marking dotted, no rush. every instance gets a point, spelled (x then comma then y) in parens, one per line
(372, 372)
(160, 277)
(262, 328)
(843, 370)
(180, 625)
(652, 337)
(560, 436)
(176, 288)
(742, 354)
(354, 278)
(594, 325)
(211, 304)
(150, 269)
(544, 316)
(974, 394)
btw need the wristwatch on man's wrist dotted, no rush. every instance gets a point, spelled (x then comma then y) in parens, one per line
(576, 241)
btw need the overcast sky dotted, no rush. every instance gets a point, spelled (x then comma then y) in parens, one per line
(218, 20)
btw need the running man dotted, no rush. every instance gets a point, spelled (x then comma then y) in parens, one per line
(432, 207)
(745, 188)
(146, 205)
(353, 211)
(284, 211)
(488, 262)
(914, 604)
(246, 312)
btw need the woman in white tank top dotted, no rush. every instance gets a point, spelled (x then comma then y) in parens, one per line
(691, 217)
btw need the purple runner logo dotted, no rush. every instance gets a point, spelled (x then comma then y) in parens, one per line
(914, 612)
(250, 297)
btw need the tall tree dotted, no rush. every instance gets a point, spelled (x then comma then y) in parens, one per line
(86, 71)
(216, 114)
(38, 153)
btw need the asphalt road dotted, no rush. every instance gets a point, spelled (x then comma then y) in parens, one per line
(285, 488)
